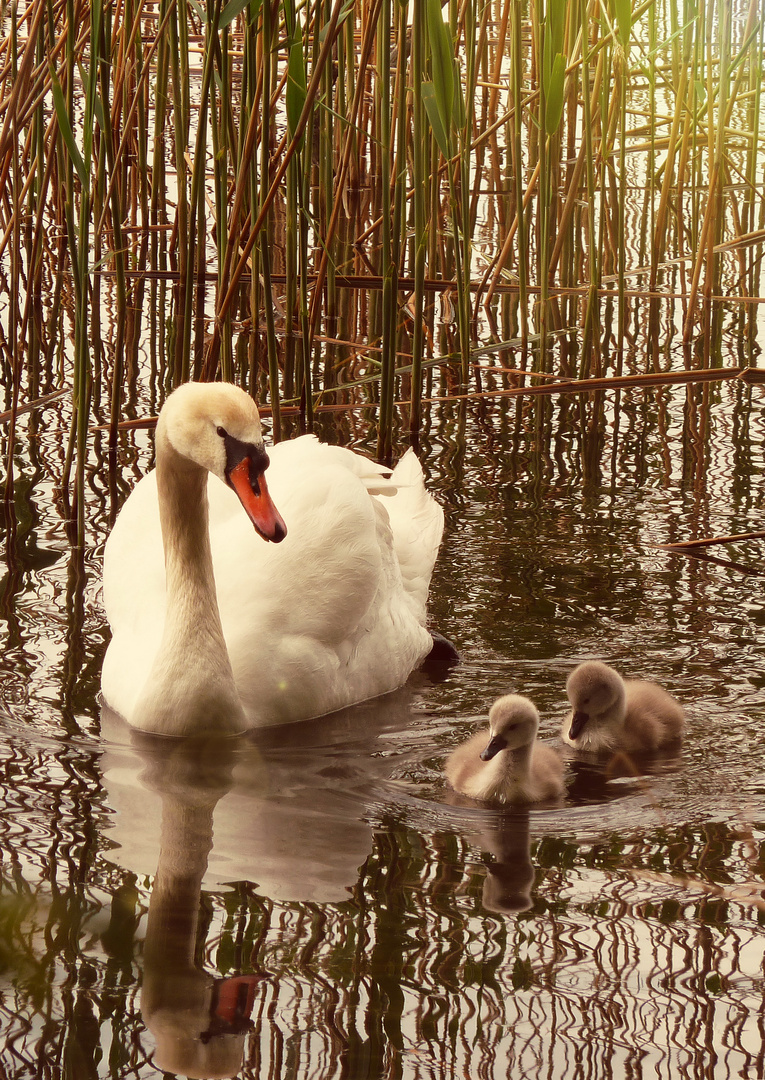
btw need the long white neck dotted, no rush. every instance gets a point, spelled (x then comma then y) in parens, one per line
(191, 688)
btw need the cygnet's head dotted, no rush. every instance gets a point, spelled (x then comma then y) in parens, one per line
(217, 427)
(594, 689)
(513, 722)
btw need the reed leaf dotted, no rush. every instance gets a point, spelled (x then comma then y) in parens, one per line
(442, 68)
(232, 10)
(441, 133)
(296, 81)
(65, 128)
(623, 9)
(554, 96)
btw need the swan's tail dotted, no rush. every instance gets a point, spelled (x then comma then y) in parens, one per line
(416, 519)
(417, 522)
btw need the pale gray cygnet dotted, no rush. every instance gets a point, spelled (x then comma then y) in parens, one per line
(511, 766)
(611, 713)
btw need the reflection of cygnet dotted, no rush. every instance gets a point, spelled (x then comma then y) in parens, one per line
(509, 880)
(609, 713)
(513, 767)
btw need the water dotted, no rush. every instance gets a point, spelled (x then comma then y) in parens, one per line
(313, 901)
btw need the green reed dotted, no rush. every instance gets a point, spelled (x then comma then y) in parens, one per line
(347, 201)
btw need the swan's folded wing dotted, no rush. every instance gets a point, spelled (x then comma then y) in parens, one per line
(417, 521)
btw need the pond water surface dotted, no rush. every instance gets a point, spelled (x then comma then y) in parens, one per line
(313, 901)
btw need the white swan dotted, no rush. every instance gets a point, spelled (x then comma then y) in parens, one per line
(611, 713)
(213, 629)
(513, 767)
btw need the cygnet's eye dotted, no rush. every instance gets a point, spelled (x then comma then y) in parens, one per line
(222, 432)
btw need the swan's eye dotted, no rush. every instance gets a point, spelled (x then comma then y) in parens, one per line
(222, 432)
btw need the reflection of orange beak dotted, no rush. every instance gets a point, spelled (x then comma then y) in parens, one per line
(231, 1006)
(234, 998)
(258, 504)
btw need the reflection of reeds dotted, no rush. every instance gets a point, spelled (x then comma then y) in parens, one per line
(278, 175)
(634, 943)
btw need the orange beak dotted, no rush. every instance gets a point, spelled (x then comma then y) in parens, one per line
(257, 504)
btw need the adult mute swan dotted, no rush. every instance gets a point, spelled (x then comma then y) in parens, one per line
(611, 713)
(214, 629)
(512, 767)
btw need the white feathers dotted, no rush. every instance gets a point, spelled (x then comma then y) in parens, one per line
(332, 615)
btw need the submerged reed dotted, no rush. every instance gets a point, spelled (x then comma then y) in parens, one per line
(279, 194)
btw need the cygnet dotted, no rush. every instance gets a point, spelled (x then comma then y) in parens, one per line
(611, 713)
(512, 767)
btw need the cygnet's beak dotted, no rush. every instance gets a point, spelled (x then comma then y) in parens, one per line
(253, 495)
(578, 720)
(496, 743)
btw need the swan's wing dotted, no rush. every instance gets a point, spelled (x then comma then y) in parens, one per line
(416, 519)
(321, 620)
(417, 522)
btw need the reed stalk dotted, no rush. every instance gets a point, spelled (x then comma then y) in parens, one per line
(14, 306)
(179, 74)
(590, 330)
(420, 191)
(624, 24)
(712, 223)
(516, 79)
(265, 254)
(464, 118)
(387, 265)
(399, 139)
(117, 217)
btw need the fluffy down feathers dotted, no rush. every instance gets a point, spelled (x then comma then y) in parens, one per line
(610, 713)
(507, 764)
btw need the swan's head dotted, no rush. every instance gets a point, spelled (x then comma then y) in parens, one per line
(593, 689)
(513, 722)
(217, 427)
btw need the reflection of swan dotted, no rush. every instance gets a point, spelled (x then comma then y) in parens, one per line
(284, 813)
(225, 632)
(512, 766)
(199, 1024)
(609, 713)
(291, 820)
